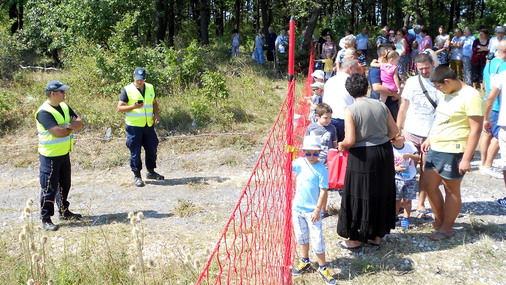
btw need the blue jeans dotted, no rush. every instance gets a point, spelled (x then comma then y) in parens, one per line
(138, 137)
(259, 55)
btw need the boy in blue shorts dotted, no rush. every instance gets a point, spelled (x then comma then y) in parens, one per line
(406, 158)
(310, 195)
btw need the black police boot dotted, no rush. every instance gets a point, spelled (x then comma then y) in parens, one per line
(153, 175)
(138, 181)
(48, 225)
(68, 215)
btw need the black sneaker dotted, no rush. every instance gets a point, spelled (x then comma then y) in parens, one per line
(68, 215)
(154, 175)
(138, 181)
(48, 225)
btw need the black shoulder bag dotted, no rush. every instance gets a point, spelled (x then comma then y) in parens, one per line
(426, 93)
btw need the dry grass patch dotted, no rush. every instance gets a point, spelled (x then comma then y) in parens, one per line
(186, 208)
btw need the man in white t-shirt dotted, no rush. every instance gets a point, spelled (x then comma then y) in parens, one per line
(498, 84)
(337, 96)
(416, 113)
(494, 41)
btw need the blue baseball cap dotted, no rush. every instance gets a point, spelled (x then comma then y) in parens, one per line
(56, 85)
(140, 73)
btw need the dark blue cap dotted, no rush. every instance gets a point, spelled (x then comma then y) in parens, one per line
(140, 73)
(56, 85)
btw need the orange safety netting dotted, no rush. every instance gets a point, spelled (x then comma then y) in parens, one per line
(257, 245)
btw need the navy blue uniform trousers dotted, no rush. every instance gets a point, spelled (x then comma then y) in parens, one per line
(55, 181)
(137, 137)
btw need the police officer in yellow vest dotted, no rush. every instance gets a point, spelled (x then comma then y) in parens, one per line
(139, 104)
(56, 122)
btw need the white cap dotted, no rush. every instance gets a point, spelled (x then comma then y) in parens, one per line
(318, 85)
(312, 142)
(318, 74)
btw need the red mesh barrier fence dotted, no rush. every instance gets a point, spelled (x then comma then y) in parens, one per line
(257, 245)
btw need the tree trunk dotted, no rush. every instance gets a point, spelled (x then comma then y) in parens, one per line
(353, 4)
(472, 11)
(16, 12)
(204, 21)
(218, 16)
(418, 12)
(372, 12)
(161, 7)
(264, 6)
(482, 8)
(311, 26)
(458, 5)
(452, 13)
(384, 12)
(398, 17)
(237, 13)
(171, 22)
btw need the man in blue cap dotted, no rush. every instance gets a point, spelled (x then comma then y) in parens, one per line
(56, 122)
(138, 102)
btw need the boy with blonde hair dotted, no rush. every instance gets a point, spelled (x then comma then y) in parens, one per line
(310, 196)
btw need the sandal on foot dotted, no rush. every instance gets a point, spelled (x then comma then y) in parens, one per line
(423, 214)
(437, 236)
(343, 245)
(374, 245)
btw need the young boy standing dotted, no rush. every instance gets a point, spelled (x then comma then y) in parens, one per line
(310, 196)
(315, 99)
(406, 158)
(452, 141)
(324, 129)
(327, 134)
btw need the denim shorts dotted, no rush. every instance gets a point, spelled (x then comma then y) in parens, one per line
(446, 164)
(494, 117)
(406, 189)
(307, 231)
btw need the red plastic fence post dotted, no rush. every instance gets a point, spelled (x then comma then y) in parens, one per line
(291, 50)
(288, 235)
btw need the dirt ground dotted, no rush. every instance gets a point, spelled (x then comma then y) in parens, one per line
(212, 179)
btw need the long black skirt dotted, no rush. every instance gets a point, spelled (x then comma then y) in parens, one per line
(368, 202)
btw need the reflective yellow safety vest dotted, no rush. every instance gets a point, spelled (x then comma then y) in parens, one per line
(50, 145)
(141, 116)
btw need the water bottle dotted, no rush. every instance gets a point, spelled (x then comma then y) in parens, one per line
(405, 223)
(405, 173)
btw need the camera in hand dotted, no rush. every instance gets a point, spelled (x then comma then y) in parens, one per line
(140, 101)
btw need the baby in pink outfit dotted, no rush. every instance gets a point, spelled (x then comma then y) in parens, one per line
(389, 73)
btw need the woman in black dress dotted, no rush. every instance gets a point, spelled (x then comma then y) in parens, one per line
(368, 203)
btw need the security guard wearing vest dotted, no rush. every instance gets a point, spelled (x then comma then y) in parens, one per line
(56, 122)
(138, 102)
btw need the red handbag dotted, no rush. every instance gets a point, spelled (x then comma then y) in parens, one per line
(336, 162)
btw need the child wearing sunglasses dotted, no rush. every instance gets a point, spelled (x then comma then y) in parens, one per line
(310, 196)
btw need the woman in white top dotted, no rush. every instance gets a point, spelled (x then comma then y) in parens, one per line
(401, 46)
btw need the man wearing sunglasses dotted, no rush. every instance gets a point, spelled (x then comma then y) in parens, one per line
(56, 122)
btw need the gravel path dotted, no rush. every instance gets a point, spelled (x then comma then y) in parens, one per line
(212, 181)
